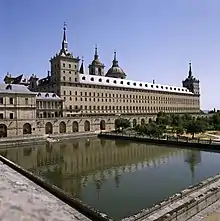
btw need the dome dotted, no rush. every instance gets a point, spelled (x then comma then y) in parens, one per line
(115, 71)
(97, 62)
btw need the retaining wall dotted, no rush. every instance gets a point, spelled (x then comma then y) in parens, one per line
(184, 205)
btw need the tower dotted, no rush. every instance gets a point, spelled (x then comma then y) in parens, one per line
(96, 67)
(115, 71)
(191, 83)
(64, 67)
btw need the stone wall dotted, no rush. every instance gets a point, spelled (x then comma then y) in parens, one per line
(41, 126)
(184, 205)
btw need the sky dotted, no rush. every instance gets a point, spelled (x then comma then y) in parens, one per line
(154, 39)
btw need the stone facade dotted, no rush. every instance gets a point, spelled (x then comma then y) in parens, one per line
(70, 100)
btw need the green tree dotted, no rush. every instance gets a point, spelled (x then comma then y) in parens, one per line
(163, 119)
(215, 121)
(179, 130)
(122, 123)
(196, 126)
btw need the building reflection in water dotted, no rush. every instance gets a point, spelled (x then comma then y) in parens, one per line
(74, 164)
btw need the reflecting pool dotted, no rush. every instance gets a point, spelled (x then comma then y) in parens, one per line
(116, 177)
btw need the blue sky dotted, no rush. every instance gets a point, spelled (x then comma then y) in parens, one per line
(154, 39)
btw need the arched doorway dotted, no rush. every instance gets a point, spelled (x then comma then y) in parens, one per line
(48, 128)
(87, 125)
(26, 128)
(134, 122)
(62, 127)
(102, 125)
(142, 121)
(3, 130)
(75, 126)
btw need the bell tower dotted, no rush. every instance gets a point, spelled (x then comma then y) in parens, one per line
(64, 67)
(96, 67)
(191, 83)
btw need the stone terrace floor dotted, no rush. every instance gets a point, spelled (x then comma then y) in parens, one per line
(23, 200)
(211, 213)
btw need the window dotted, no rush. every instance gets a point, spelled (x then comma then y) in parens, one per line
(26, 101)
(69, 65)
(83, 78)
(100, 71)
(1, 116)
(152, 85)
(8, 87)
(64, 78)
(92, 79)
(128, 83)
(11, 116)
(69, 78)
(63, 64)
(1, 100)
(107, 81)
(11, 100)
(121, 82)
(100, 80)
(140, 85)
(134, 84)
(115, 81)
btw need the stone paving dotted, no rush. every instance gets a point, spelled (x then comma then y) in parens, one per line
(23, 200)
(211, 213)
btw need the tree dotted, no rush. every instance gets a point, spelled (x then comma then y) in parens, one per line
(196, 126)
(176, 120)
(179, 130)
(163, 119)
(122, 123)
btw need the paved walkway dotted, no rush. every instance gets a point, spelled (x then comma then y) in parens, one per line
(211, 213)
(23, 200)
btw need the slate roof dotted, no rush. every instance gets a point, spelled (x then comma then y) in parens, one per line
(47, 96)
(15, 89)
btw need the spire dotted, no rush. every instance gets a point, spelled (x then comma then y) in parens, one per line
(64, 42)
(115, 55)
(190, 70)
(96, 53)
(82, 70)
(115, 62)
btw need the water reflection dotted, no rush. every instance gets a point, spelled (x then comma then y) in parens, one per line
(193, 158)
(117, 177)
